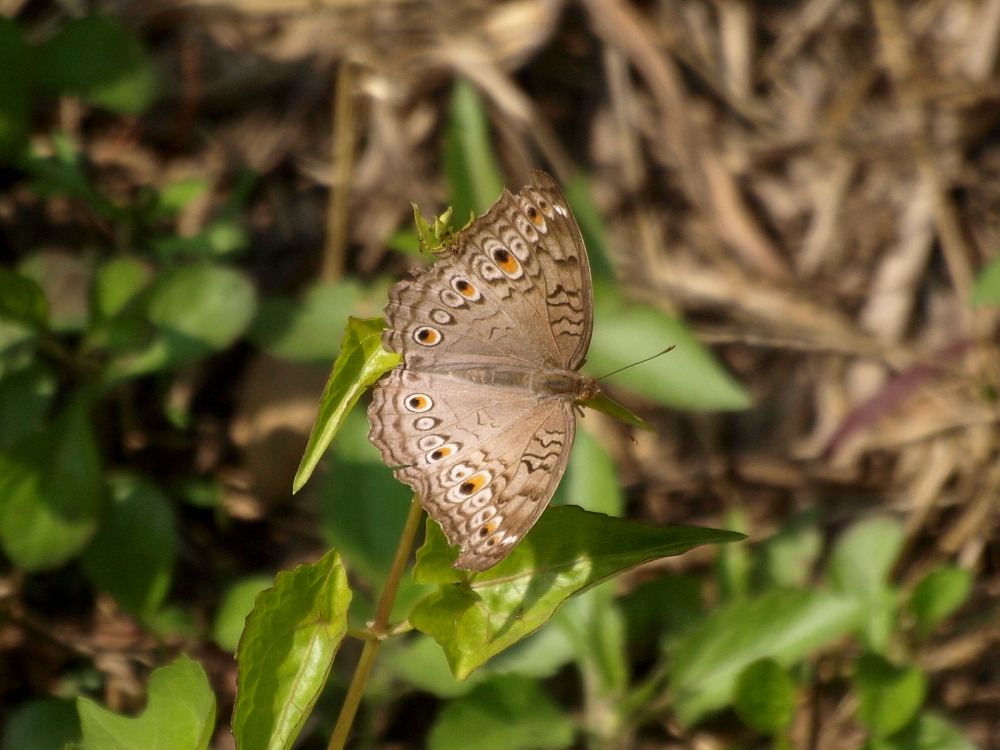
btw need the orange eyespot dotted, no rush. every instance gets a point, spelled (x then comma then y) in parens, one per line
(507, 262)
(536, 218)
(418, 402)
(427, 336)
(464, 288)
(487, 529)
(473, 484)
(443, 452)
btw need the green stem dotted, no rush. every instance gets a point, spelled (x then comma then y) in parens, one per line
(379, 629)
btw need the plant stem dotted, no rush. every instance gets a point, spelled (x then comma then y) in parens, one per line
(378, 629)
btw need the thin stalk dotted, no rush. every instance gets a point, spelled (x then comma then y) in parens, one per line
(379, 628)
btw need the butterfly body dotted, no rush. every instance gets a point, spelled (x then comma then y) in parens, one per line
(559, 384)
(479, 418)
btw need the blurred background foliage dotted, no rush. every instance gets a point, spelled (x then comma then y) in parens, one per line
(802, 197)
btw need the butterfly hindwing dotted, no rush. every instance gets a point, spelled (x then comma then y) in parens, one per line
(484, 460)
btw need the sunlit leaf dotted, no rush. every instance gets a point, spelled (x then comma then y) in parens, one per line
(764, 696)
(180, 713)
(938, 595)
(286, 652)
(118, 282)
(689, 377)
(362, 361)
(198, 309)
(889, 696)
(860, 566)
(567, 551)
(237, 602)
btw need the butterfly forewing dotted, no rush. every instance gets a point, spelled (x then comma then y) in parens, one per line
(479, 416)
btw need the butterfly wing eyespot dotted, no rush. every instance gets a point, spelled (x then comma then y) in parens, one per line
(442, 452)
(506, 261)
(418, 402)
(427, 336)
(466, 289)
(473, 484)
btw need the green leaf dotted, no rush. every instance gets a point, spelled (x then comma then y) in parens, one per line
(15, 91)
(788, 558)
(929, 732)
(132, 556)
(938, 595)
(591, 480)
(179, 194)
(469, 160)
(365, 534)
(860, 566)
(300, 329)
(567, 551)
(22, 299)
(764, 696)
(41, 724)
(25, 398)
(592, 227)
(732, 564)
(595, 626)
(506, 713)
(101, 61)
(223, 236)
(889, 696)
(687, 378)
(65, 281)
(208, 304)
(180, 713)
(286, 652)
(661, 608)
(236, 604)
(118, 282)
(986, 289)
(199, 309)
(420, 663)
(64, 174)
(362, 361)
(783, 625)
(124, 335)
(606, 405)
(864, 557)
(17, 343)
(51, 490)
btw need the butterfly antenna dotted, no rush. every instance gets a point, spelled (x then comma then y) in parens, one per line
(640, 362)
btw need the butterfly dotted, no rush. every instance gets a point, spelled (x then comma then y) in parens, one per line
(480, 415)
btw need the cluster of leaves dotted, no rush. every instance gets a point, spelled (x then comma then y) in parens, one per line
(78, 329)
